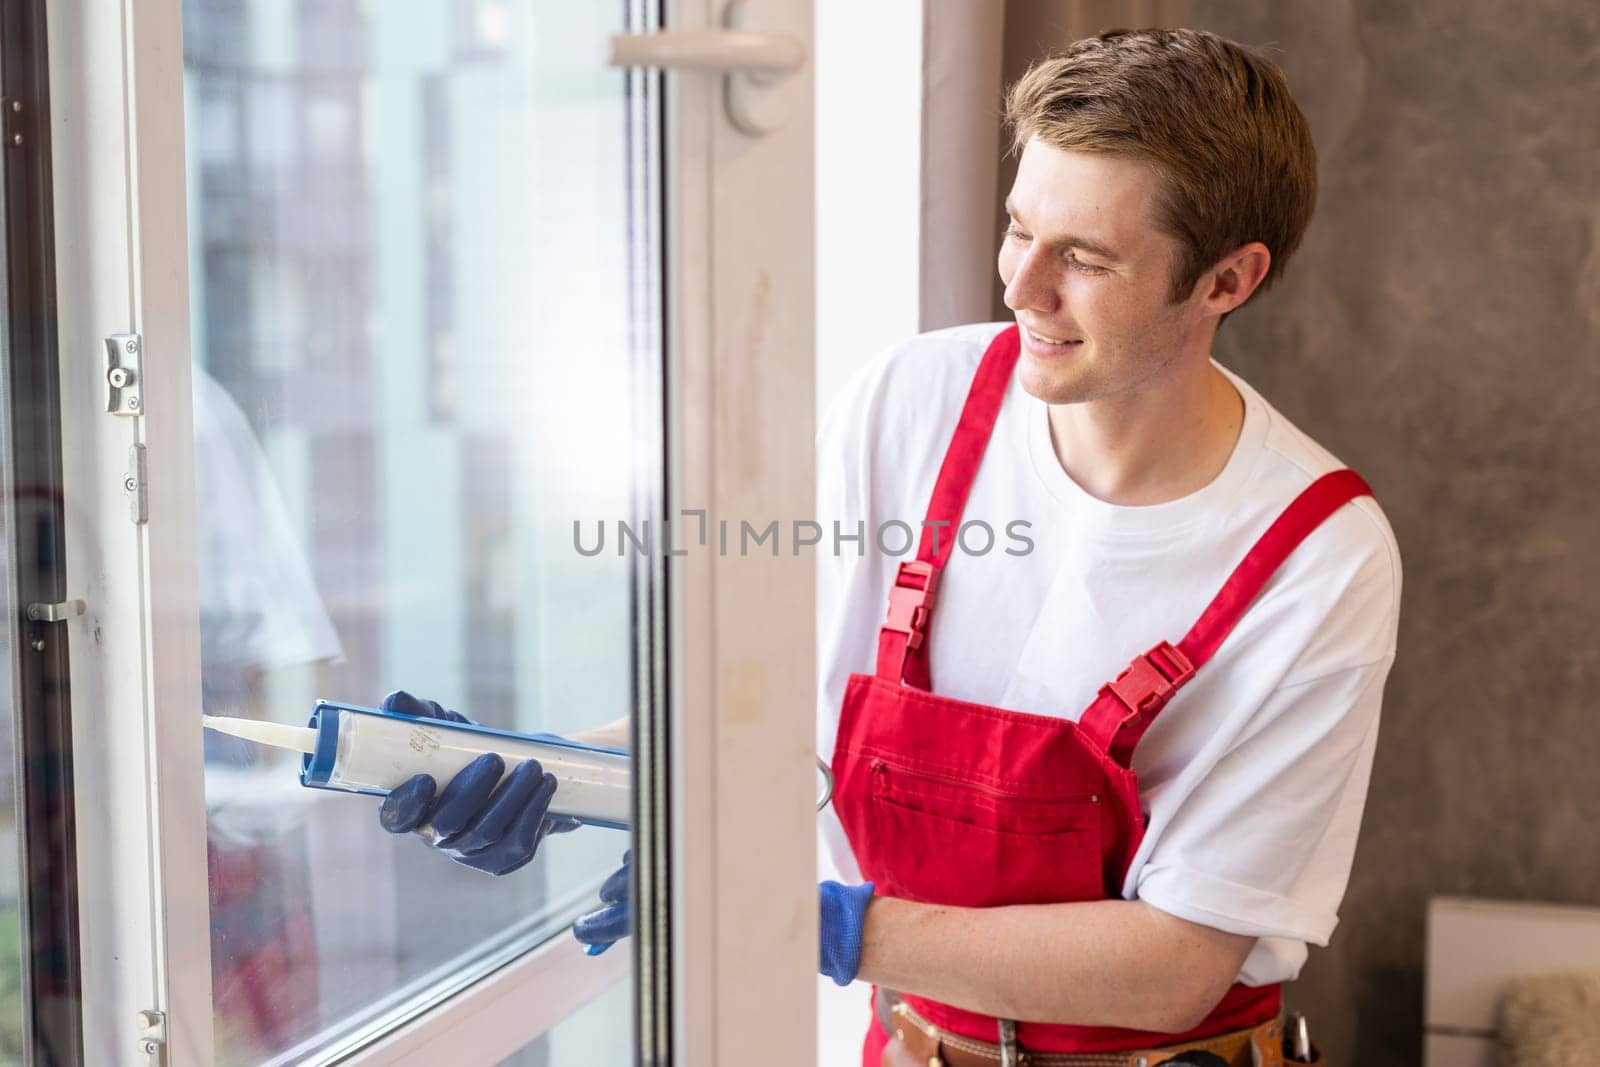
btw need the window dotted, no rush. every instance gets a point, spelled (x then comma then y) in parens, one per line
(447, 289)
(410, 268)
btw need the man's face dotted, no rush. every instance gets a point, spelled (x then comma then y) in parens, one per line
(1083, 263)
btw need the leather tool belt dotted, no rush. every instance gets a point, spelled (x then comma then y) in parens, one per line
(915, 1042)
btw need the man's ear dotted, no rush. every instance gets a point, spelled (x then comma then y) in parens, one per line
(1237, 275)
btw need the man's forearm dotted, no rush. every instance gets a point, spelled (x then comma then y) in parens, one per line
(1098, 963)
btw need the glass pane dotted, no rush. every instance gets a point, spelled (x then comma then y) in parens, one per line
(415, 250)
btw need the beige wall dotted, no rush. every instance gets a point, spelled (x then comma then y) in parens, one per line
(1440, 331)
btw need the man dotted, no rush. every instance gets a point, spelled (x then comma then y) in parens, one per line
(1103, 789)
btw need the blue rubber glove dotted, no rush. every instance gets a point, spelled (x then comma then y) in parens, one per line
(843, 911)
(606, 925)
(472, 822)
(843, 914)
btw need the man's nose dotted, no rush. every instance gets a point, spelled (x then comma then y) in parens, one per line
(1032, 287)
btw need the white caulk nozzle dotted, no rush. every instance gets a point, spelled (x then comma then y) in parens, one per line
(277, 734)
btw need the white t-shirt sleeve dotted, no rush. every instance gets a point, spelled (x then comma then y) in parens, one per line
(1263, 845)
(1259, 841)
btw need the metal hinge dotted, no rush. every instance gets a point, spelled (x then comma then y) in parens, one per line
(124, 366)
(153, 1037)
(133, 483)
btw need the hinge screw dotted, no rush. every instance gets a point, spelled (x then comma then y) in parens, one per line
(130, 485)
(38, 644)
(16, 138)
(150, 1048)
(133, 346)
(16, 105)
(133, 403)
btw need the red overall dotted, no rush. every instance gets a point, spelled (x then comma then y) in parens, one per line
(963, 804)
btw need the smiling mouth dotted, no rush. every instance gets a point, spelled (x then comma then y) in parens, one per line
(1041, 341)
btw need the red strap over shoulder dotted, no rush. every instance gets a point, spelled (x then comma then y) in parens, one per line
(902, 642)
(1125, 708)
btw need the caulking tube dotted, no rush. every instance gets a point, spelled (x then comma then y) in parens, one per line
(363, 750)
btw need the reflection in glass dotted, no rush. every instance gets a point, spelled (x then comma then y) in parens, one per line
(415, 359)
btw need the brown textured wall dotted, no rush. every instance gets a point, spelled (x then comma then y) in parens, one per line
(1440, 331)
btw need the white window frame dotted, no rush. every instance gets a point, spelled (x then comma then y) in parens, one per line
(740, 388)
(740, 381)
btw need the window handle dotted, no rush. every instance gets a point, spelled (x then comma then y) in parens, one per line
(753, 65)
(764, 57)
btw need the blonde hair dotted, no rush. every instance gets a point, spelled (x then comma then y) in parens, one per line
(1214, 117)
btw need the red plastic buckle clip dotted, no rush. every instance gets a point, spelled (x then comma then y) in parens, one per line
(911, 600)
(1151, 679)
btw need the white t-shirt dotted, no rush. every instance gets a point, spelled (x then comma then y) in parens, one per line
(1255, 774)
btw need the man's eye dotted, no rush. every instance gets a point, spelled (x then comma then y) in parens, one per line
(1012, 231)
(1087, 268)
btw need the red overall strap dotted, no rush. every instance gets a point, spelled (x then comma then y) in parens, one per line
(902, 642)
(1125, 708)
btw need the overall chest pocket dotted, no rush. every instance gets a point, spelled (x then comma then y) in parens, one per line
(949, 841)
